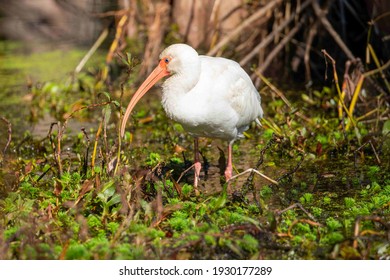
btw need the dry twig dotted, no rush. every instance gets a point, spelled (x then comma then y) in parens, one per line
(247, 23)
(9, 133)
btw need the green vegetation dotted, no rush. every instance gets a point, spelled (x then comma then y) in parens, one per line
(81, 192)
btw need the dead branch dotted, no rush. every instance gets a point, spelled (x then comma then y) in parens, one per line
(260, 13)
(309, 42)
(270, 37)
(358, 233)
(321, 14)
(298, 205)
(9, 133)
(281, 45)
(155, 37)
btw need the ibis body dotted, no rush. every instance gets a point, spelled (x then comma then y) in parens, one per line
(209, 96)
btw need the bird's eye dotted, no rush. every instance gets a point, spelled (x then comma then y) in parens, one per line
(166, 60)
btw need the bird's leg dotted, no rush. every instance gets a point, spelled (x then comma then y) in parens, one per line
(197, 164)
(229, 166)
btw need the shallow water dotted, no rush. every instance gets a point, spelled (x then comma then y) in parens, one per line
(25, 66)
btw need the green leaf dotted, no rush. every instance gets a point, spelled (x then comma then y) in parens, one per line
(386, 127)
(116, 103)
(115, 199)
(106, 94)
(107, 191)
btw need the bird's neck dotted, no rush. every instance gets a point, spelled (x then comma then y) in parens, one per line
(186, 79)
(178, 86)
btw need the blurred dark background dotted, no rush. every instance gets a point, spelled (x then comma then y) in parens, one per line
(150, 25)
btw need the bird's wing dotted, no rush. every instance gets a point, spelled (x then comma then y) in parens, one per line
(237, 89)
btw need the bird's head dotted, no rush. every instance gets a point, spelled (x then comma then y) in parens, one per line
(175, 59)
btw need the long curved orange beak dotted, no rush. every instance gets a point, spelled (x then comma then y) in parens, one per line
(158, 73)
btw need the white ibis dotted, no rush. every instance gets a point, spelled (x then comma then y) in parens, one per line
(209, 96)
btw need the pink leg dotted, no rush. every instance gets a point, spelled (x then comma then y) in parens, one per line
(229, 166)
(197, 165)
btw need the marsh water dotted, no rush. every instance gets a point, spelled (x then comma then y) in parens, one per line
(26, 66)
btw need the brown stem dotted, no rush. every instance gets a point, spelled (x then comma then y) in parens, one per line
(270, 37)
(309, 41)
(247, 23)
(321, 14)
(9, 133)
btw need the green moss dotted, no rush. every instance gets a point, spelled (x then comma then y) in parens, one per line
(265, 192)
(112, 227)
(153, 159)
(179, 221)
(10, 232)
(306, 198)
(333, 224)
(77, 252)
(349, 202)
(249, 243)
(94, 222)
(317, 212)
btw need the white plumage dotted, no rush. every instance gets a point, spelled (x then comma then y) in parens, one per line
(209, 96)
